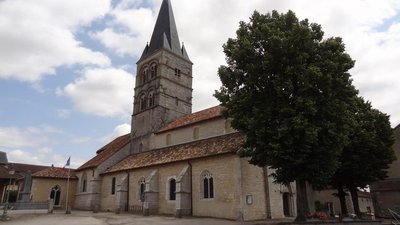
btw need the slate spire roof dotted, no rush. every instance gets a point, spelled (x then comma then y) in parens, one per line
(165, 34)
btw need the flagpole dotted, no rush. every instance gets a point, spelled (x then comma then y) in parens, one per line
(66, 201)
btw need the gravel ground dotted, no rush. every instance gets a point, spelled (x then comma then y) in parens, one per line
(89, 218)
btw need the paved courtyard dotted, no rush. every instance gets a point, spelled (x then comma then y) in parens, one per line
(89, 218)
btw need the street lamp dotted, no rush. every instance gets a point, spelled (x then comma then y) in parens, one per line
(4, 161)
(5, 217)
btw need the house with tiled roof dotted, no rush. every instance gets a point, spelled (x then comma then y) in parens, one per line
(174, 161)
(386, 193)
(53, 183)
(10, 176)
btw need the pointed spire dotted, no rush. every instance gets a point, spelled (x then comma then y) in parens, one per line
(146, 49)
(165, 34)
(184, 53)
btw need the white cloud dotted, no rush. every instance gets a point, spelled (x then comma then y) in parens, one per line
(81, 140)
(102, 92)
(63, 113)
(13, 137)
(118, 131)
(40, 37)
(129, 29)
(206, 25)
(43, 156)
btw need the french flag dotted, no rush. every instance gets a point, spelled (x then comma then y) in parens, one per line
(67, 164)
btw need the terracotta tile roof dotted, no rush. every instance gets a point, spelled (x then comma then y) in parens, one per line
(19, 167)
(229, 143)
(386, 185)
(55, 172)
(196, 117)
(106, 152)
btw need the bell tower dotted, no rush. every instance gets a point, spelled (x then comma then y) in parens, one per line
(163, 89)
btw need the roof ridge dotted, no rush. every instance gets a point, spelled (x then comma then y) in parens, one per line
(217, 145)
(106, 151)
(193, 118)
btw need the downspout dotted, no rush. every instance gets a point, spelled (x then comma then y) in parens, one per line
(191, 189)
(127, 194)
(241, 200)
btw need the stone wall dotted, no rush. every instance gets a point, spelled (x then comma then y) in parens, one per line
(91, 197)
(239, 189)
(206, 129)
(166, 173)
(253, 194)
(225, 203)
(108, 200)
(41, 188)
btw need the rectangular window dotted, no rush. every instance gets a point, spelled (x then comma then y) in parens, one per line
(113, 186)
(177, 72)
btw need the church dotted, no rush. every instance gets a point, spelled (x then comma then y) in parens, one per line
(176, 162)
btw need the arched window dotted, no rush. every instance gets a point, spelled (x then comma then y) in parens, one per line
(196, 133)
(55, 195)
(168, 139)
(84, 183)
(142, 188)
(207, 185)
(153, 70)
(145, 73)
(151, 98)
(227, 125)
(172, 189)
(142, 102)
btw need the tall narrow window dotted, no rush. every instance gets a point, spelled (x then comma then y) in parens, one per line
(153, 70)
(151, 99)
(142, 102)
(208, 185)
(142, 188)
(113, 185)
(172, 189)
(168, 139)
(227, 125)
(84, 182)
(196, 133)
(145, 75)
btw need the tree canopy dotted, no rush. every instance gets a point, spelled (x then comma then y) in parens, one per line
(368, 153)
(290, 92)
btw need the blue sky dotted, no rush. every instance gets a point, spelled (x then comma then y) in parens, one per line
(67, 68)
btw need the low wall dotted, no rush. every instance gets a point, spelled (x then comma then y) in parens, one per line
(355, 222)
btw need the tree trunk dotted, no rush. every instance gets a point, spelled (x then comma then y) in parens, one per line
(301, 200)
(354, 198)
(342, 199)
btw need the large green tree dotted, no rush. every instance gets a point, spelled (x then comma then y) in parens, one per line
(289, 91)
(368, 153)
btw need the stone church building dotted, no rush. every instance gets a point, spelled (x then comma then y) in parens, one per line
(174, 161)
